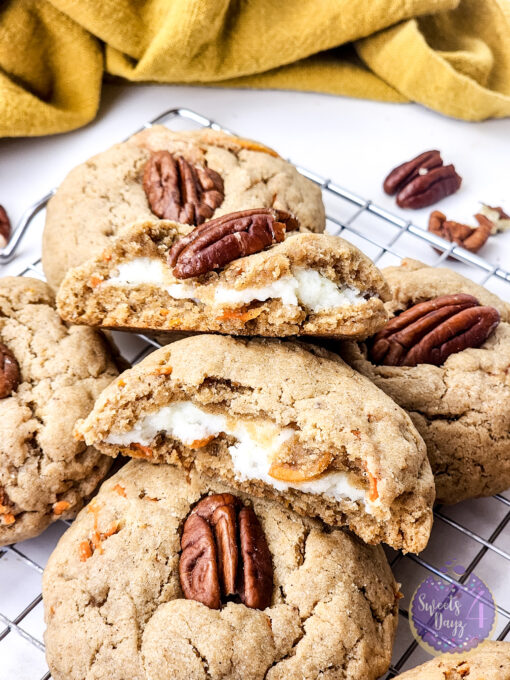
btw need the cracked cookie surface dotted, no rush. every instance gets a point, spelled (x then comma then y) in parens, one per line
(231, 408)
(103, 195)
(45, 474)
(120, 612)
(489, 661)
(462, 408)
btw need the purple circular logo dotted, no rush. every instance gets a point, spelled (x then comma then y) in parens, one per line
(452, 617)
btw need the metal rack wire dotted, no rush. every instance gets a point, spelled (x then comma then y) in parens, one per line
(478, 532)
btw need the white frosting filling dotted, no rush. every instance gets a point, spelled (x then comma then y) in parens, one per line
(305, 286)
(255, 446)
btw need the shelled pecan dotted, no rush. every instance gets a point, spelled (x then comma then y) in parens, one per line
(429, 332)
(471, 238)
(224, 554)
(10, 376)
(179, 191)
(219, 241)
(5, 227)
(422, 181)
(498, 218)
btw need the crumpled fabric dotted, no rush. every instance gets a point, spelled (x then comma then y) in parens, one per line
(452, 56)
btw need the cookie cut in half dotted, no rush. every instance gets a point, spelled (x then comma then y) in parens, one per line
(186, 176)
(278, 420)
(117, 610)
(489, 661)
(50, 375)
(445, 358)
(153, 278)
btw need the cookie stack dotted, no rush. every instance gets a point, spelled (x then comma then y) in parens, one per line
(243, 539)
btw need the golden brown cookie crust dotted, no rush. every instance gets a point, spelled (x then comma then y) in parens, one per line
(84, 298)
(44, 472)
(489, 661)
(101, 196)
(333, 409)
(462, 408)
(120, 613)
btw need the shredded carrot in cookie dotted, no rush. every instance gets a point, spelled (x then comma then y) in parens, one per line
(96, 542)
(356, 433)
(240, 316)
(121, 382)
(373, 494)
(60, 506)
(289, 472)
(106, 256)
(85, 550)
(173, 323)
(145, 451)
(120, 490)
(255, 146)
(163, 370)
(200, 443)
(8, 519)
(95, 281)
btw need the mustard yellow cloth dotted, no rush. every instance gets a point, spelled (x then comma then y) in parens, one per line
(450, 55)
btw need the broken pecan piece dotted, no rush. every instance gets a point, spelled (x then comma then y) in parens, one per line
(422, 181)
(496, 215)
(10, 376)
(179, 191)
(225, 553)
(430, 331)
(471, 238)
(219, 241)
(5, 227)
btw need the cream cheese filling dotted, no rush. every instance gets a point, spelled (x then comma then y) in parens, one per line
(252, 453)
(305, 287)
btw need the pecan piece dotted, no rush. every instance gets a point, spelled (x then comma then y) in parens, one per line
(225, 553)
(498, 218)
(471, 238)
(430, 188)
(10, 376)
(422, 181)
(5, 227)
(219, 241)
(403, 174)
(428, 332)
(179, 191)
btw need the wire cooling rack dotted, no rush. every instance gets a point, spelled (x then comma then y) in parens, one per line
(469, 539)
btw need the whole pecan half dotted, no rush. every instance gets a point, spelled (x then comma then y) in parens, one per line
(10, 376)
(471, 238)
(422, 181)
(403, 174)
(5, 227)
(179, 191)
(428, 332)
(219, 241)
(224, 554)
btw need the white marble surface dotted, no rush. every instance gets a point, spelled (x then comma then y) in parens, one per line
(352, 142)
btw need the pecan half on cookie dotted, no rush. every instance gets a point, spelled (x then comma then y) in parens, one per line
(430, 331)
(215, 244)
(225, 553)
(422, 181)
(177, 190)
